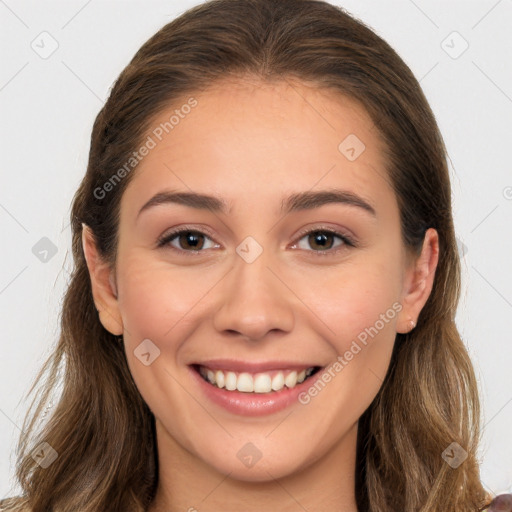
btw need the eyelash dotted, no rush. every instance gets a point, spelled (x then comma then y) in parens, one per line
(347, 241)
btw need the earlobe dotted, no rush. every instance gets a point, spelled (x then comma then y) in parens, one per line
(419, 282)
(103, 286)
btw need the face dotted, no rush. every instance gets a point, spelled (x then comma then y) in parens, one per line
(294, 263)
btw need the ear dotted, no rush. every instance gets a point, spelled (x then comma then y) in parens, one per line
(103, 284)
(418, 282)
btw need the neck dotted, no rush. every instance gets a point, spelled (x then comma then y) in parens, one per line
(187, 483)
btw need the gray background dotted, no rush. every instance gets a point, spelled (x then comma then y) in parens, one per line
(48, 104)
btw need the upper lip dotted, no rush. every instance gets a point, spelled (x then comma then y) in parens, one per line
(254, 367)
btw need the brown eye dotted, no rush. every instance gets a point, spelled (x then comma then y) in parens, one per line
(186, 240)
(190, 240)
(321, 240)
(324, 241)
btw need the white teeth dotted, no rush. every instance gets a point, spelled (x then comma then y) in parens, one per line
(262, 383)
(245, 383)
(291, 379)
(255, 383)
(219, 378)
(278, 381)
(230, 381)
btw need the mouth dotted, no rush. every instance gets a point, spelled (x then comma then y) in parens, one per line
(257, 383)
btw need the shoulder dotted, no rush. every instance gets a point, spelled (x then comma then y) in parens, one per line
(501, 503)
(17, 504)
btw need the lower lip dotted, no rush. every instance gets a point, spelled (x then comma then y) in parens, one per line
(253, 404)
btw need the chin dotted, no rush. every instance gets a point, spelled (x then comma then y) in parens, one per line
(241, 467)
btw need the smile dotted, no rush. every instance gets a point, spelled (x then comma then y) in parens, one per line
(261, 382)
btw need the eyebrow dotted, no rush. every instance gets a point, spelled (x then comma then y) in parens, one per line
(295, 202)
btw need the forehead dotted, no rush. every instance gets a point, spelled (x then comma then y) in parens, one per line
(242, 139)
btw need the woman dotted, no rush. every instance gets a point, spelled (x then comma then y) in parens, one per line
(261, 315)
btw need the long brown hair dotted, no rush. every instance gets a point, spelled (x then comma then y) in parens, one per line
(100, 427)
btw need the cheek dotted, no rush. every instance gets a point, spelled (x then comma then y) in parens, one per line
(157, 305)
(157, 300)
(162, 304)
(361, 313)
(351, 300)
(359, 304)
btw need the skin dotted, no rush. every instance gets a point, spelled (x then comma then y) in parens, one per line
(254, 144)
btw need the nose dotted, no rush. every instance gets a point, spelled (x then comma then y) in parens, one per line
(255, 300)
